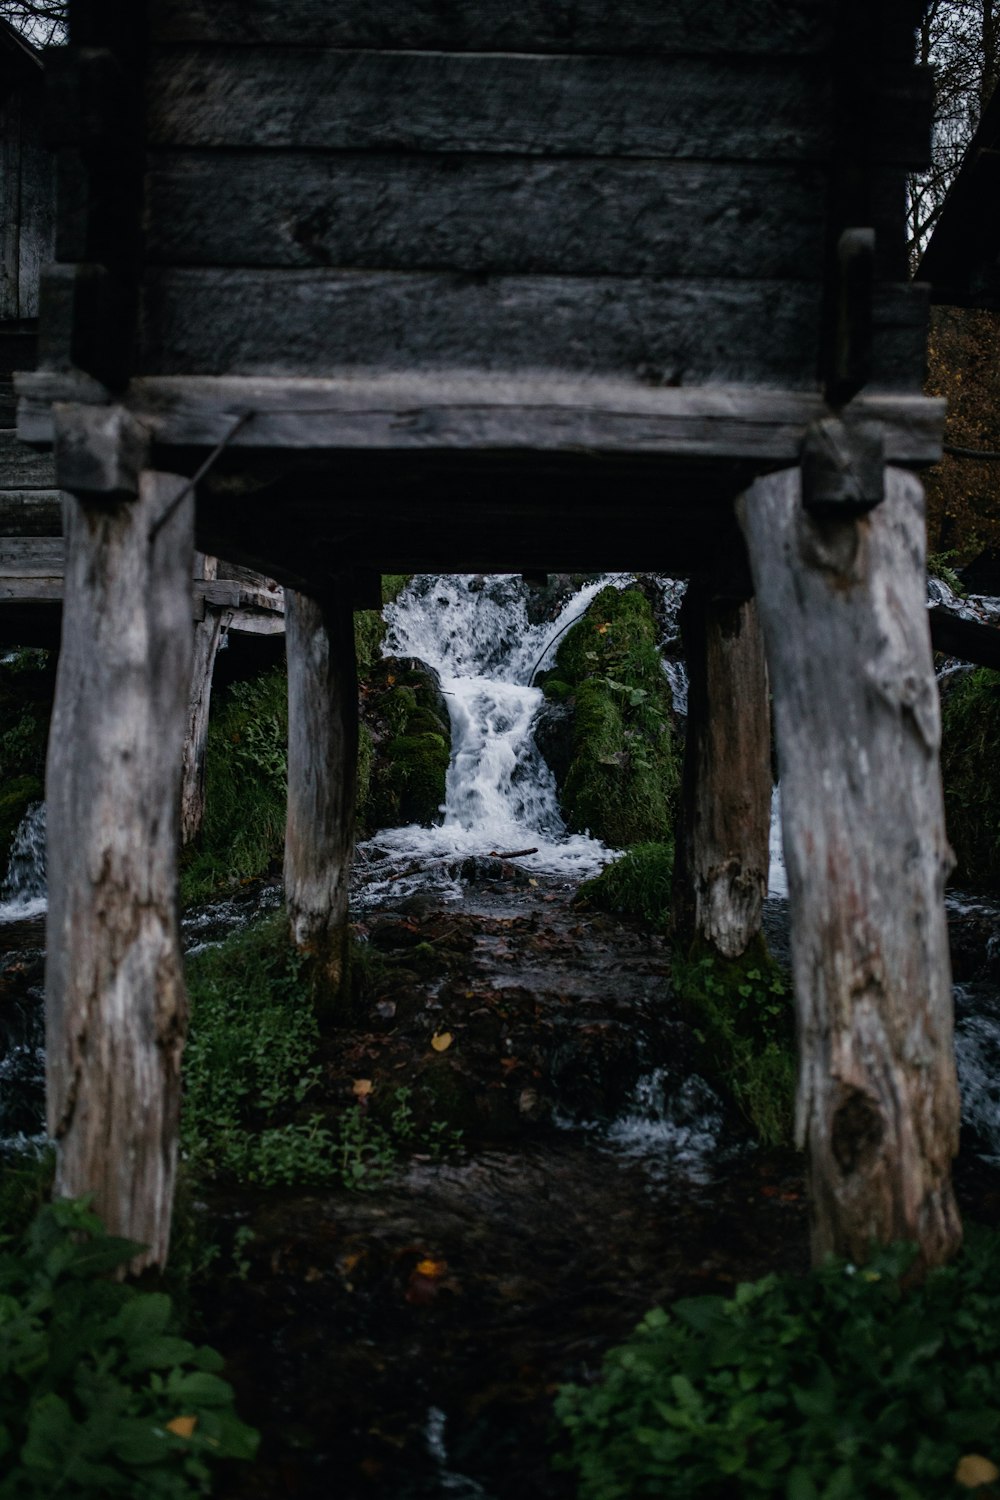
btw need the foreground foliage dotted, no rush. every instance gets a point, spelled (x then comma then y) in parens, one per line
(98, 1396)
(970, 713)
(251, 1070)
(833, 1386)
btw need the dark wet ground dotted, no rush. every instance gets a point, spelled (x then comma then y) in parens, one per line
(407, 1342)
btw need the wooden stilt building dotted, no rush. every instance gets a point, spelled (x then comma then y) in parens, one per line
(342, 289)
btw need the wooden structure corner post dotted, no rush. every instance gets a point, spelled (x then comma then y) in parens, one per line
(322, 780)
(858, 728)
(116, 1007)
(208, 634)
(721, 861)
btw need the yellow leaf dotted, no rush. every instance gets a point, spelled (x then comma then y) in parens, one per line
(441, 1041)
(973, 1469)
(182, 1426)
(362, 1087)
(431, 1268)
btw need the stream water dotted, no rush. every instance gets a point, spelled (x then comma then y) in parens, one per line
(562, 1240)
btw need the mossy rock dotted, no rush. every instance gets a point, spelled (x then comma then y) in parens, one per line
(638, 885)
(410, 734)
(970, 714)
(619, 773)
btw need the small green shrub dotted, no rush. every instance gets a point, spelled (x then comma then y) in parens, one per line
(742, 1012)
(251, 1064)
(98, 1395)
(637, 885)
(838, 1385)
(624, 769)
(970, 713)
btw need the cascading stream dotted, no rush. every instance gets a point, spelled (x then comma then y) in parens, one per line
(23, 892)
(500, 795)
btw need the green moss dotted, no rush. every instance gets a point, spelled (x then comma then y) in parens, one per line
(637, 885)
(624, 769)
(245, 788)
(418, 764)
(411, 747)
(971, 775)
(743, 1017)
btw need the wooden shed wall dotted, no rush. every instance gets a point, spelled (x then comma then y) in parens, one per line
(27, 206)
(640, 190)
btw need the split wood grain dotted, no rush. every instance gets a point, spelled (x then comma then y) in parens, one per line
(858, 729)
(116, 1007)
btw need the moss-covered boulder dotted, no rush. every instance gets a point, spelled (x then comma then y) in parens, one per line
(970, 769)
(617, 762)
(408, 748)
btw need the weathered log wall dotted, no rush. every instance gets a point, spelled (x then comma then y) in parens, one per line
(456, 187)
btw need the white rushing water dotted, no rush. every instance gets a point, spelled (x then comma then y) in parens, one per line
(500, 795)
(23, 892)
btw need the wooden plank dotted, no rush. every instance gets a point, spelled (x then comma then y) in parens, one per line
(688, 26)
(398, 101)
(21, 468)
(207, 634)
(31, 557)
(115, 1003)
(502, 215)
(249, 622)
(31, 590)
(734, 107)
(858, 730)
(475, 412)
(30, 513)
(318, 323)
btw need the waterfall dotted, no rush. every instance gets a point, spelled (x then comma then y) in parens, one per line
(23, 892)
(500, 795)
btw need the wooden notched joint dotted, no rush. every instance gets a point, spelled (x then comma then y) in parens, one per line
(843, 467)
(99, 451)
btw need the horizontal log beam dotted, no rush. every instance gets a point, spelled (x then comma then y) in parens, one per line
(657, 331)
(30, 513)
(650, 106)
(969, 640)
(627, 218)
(767, 27)
(475, 412)
(21, 468)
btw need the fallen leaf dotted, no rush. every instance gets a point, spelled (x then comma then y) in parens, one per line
(362, 1087)
(182, 1426)
(973, 1469)
(441, 1041)
(431, 1267)
(509, 1062)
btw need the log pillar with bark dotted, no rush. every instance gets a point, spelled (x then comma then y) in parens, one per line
(322, 780)
(721, 862)
(841, 597)
(116, 1005)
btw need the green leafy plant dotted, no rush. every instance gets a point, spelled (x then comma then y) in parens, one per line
(98, 1395)
(743, 1017)
(251, 1066)
(839, 1385)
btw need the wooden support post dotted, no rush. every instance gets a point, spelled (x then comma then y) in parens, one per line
(115, 1000)
(322, 779)
(720, 868)
(858, 728)
(207, 635)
